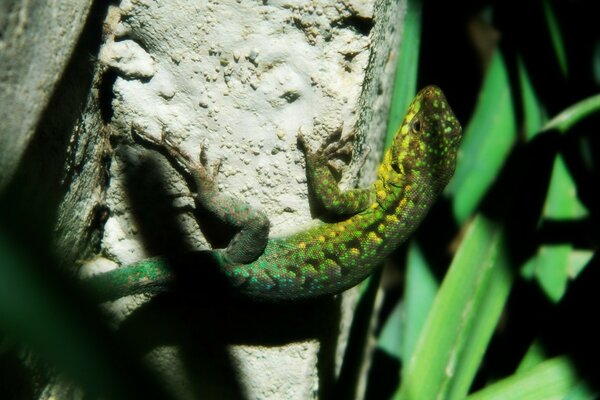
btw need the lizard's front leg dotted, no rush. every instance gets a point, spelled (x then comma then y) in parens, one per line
(324, 185)
(252, 224)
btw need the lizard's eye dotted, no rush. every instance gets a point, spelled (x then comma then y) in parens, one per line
(416, 125)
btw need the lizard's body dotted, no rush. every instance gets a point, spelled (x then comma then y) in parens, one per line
(330, 257)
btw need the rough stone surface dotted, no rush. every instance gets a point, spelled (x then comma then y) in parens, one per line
(36, 41)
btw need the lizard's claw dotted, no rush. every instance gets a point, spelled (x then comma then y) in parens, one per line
(137, 130)
(168, 145)
(337, 145)
(202, 165)
(203, 175)
(302, 141)
(162, 141)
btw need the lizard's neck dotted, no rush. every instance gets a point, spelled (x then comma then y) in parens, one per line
(401, 202)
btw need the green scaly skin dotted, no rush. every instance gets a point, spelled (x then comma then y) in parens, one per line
(330, 257)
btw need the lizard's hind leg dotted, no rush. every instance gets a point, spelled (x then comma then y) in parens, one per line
(252, 224)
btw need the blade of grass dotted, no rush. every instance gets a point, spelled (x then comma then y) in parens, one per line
(561, 201)
(488, 138)
(556, 38)
(582, 391)
(391, 339)
(551, 379)
(421, 287)
(402, 329)
(462, 318)
(596, 62)
(535, 355)
(533, 113)
(553, 264)
(565, 120)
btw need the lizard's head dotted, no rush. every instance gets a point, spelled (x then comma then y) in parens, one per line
(427, 141)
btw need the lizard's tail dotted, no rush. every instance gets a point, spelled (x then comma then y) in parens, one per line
(148, 276)
(183, 273)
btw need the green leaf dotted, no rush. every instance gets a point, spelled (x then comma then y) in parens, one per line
(533, 114)
(421, 287)
(554, 264)
(556, 37)
(565, 120)
(562, 202)
(535, 355)
(402, 329)
(582, 391)
(551, 379)
(392, 338)
(488, 139)
(596, 62)
(463, 317)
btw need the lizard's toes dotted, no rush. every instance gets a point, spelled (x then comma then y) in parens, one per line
(302, 142)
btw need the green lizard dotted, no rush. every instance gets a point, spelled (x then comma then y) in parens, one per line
(330, 257)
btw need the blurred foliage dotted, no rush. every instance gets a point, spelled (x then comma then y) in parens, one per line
(517, 229)
(497, 292)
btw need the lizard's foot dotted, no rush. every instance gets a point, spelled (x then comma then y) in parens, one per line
(335, 152)
(335, 146)
(323, 176)
(209, 172)
(166, 143)
(302, 141)
(200, 171)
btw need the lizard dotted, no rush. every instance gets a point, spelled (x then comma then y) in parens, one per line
(329, 257)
